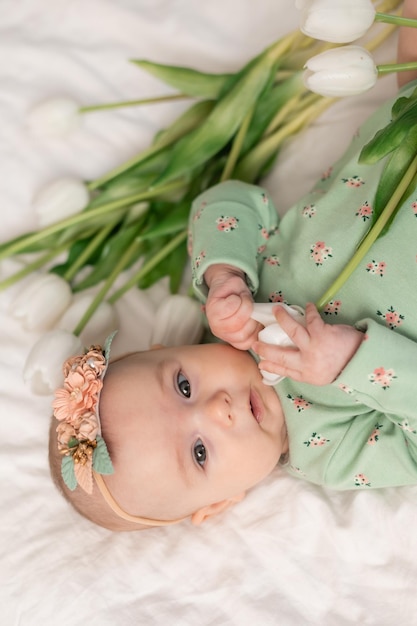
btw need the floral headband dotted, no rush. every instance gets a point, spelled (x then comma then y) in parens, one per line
(84, 453)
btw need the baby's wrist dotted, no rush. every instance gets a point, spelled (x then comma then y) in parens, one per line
(223, 271)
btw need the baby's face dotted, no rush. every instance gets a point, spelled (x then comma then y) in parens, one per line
(188, 427)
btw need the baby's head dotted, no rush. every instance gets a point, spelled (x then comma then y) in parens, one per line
(188, 429)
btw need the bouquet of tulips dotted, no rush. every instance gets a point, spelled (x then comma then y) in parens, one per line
(135, 216)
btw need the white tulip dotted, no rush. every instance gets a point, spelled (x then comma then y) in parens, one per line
(98, 328)
(42, 372)
(42, 302)
(345, 71)
(337, 21)
(273, 333)
(178, 321)
(54, 117)
(60, 199)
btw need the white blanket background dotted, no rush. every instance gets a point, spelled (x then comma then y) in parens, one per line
(290, 554)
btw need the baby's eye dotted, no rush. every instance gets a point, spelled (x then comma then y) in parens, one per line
(200, 453)
(183, 385)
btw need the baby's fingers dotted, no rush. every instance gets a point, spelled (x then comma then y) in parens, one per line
(295, 329)
(277, 360)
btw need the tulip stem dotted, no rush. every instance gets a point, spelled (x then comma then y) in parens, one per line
(19, 244)
(236, 147)
(147, 267)
(396, 67)
(386, 18)
(87, 252)
(131, 103)
(99, 297)
(371, 236)
(32, 267)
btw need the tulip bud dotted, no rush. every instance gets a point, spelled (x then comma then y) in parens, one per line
(42, 302)
(273, 333)
(60, 199)
(178, 321)
(102, 323)
(345, 71)
(43, 368)
(55, 117)
(337, 21)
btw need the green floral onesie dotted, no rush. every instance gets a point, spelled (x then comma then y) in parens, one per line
(360, 431)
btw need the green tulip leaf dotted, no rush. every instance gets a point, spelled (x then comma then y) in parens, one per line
(187, 80)
(394, 169)
(404, 116)
(110, 254)
(274, 97)
(222, 123)
(176, 219)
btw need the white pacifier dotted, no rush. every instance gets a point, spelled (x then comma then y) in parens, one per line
(273, 333)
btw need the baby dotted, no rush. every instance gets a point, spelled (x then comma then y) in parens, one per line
(189, 430)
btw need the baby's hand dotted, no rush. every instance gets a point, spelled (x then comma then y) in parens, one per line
(320, 352)
(229, 306)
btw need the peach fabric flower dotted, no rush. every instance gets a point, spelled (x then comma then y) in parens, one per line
(76, 409)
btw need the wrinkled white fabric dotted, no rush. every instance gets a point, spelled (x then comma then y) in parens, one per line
(290, 553)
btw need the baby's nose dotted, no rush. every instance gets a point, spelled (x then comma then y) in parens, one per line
(219, 408)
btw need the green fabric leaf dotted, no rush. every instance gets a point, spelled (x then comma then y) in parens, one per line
(67, 472)
(101, 458)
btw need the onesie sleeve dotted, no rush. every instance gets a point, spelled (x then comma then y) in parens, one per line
(383, 375)
(229, 223)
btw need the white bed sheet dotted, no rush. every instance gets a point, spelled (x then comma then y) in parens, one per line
(291, 553)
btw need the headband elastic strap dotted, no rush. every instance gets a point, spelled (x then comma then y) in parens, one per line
(126, 516)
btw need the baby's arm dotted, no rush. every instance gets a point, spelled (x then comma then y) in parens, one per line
(229, 226)
(407, 43)
(320, 353)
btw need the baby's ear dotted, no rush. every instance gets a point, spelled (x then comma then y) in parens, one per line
(213, 509)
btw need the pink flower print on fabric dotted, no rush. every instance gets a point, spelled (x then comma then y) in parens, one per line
(199, 211)
(199, 258)
(326, 174)
(332, 307)
(374, 436)
(365, 211)
(316, 440)
(265, 198)
(319, 252)
(263, 231)
(345, 388)
(353, 181)
(300, 403)
(272, 260)
(382, 377)
(414, 207)
(226, 223)
(392, 318)
(189, 242)
(376, 268)
(276, 296)
(362, 481)
(405, 425)
(309, 211)
(297, 470)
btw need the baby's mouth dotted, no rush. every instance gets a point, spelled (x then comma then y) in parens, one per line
(256, 406)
